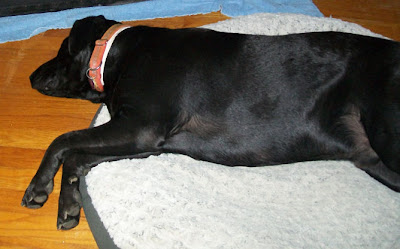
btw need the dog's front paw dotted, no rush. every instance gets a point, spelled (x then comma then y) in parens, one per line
(37, 194)
(69, 212)
(69, 205)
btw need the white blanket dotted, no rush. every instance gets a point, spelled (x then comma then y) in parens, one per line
(173, 201)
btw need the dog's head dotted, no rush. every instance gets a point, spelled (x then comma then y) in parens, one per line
(65, 75)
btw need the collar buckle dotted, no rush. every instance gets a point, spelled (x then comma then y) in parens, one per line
(95, 72)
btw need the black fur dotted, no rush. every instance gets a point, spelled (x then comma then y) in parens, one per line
(232, 99)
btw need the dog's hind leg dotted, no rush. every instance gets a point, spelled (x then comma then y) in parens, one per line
(362, 153)
(384, 138)
(381, 120)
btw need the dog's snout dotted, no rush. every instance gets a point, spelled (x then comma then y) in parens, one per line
(44, 75)
(43, 78)
(39, 82)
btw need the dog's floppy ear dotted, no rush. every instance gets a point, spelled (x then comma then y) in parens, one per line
(86, 31)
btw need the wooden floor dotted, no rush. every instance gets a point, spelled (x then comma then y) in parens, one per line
(29, 121)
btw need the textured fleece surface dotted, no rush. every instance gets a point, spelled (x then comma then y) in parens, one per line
(173, 201)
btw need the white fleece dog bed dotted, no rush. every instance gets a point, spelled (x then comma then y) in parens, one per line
(173, 201)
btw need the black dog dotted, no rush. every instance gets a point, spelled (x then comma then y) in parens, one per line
(232, 99)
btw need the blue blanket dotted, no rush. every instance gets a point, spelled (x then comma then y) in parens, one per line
(24, 26)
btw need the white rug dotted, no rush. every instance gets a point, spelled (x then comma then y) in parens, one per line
(173, 201)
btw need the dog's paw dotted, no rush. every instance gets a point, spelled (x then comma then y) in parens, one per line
(36, 195)
(69, 206)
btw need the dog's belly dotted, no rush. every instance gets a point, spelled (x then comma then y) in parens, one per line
(255, 145)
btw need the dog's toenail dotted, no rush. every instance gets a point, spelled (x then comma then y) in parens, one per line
(72, 179)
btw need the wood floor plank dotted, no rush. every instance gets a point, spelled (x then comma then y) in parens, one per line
(382, 17)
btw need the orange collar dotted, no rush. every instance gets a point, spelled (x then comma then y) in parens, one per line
(99, 56)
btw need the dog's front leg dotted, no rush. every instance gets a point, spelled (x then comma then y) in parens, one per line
(81, 150)
(42, 183)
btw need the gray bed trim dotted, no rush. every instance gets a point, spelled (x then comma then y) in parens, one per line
(100, 233)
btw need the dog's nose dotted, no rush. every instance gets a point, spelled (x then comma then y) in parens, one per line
(33, 77)
(36, 80)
